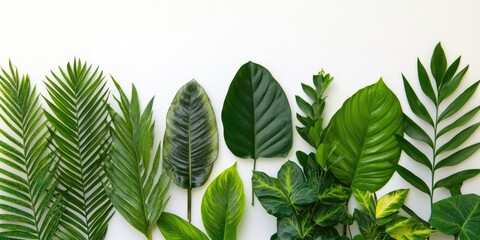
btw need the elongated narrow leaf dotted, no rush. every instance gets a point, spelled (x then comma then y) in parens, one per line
(28, 202)
(451, 70)
(365, 128)
(458, 157)
(256, 115)
(458, 215)
(415, 104)
(416, 132)
(78, 115)
(390, 203)
(438, 64)
(137, 186)
(414, 153)
(175, 228)
(458, 139)
(223, 205)
(403, 228)
(190, 144)
(425, 82)
(460, 122)
(450, 88)
(413, 179)
(459, 102)
(457, 178)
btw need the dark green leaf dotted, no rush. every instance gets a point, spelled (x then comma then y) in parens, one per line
(223, 205)
(366, 224)
(460, 122)
(416, 132)
(457, 178)
(458, 215)
(334, 193)
(458, 103)
(365, 128)
(190, 143)
(415, 104)
(414, 153)
(452, 69)
(294, 227)
(291, 177)
(272, 195)
(413, 179)
(458, 156)
(175, 228)
(425, 82)
(256, 115)
(448, 89)
(458, 139)
(310, 92)
(438, 64)
(414, 215)
(330, 215)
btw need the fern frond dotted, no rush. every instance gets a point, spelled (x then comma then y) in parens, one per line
(30, 205)
(138, 187)
(80, 131)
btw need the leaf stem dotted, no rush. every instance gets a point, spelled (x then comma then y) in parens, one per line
(189, 205)
(150, 235)
(434, 157)
(254, 168)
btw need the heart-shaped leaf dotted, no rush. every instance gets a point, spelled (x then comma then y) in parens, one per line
(458, 215)
(190, 144)
(223, 205)
(365, 128)
(175, 228)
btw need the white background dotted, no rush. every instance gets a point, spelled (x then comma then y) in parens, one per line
(160, 45)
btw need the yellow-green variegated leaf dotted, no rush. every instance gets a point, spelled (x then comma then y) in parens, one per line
(223, 205)
(390, 203)
(366, 200)
(403, 228)
(175, 228)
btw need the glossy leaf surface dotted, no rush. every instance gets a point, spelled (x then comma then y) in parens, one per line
(403, 228)
(390, 203)
(175, 228)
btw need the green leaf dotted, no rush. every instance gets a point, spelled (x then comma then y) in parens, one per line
(416, 132)
(256, 115)
(459, 102)
(413, 179)
(30, 209)
(366, 201)
(175, 228)
(334, 193)
(457, 178)
(78, 115)
(438, 64)
(425, 83)
(460, 122)
(458, 215)
(303, 227)
(311, 93)
(291, 178)
(415, 104)
(452, 69)
(414, 153)
(458, 139)
(458, 157)
(448, 89)
(330, 215)
(365, 128)
(223, 205)
(137, 186)
(366, 223)
(190, 143)
(390, 203)
(304, 106)
(403, 228)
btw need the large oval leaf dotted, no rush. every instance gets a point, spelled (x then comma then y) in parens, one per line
(365, 128)
(256, 115)
(223, 205)
(175, 228)
(190, 144)
(458, 215)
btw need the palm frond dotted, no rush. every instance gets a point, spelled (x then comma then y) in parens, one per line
(137, 188)
(80, 131)
(30, 205)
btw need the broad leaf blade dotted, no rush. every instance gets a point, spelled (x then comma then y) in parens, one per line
(408, 229)
(291, 177)
(365, 128)
(458, 215)
(223, 205)
(330, 215)
(256, 115)
(272, 195)
(190, 143)
(175, 228)
(390, 203)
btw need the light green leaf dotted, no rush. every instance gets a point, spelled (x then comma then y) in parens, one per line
(390, 203)
(365, 128)
(190, 143)
(175, 228)
(78, 115)
(256, 115)
(223, 205)
(403, 228)
(137, 186)
(458, 215)
(438, 64)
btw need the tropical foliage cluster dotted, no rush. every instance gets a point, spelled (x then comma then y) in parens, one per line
(68, 165)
